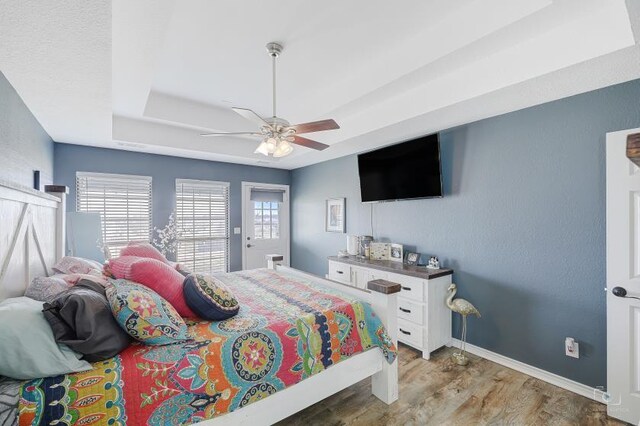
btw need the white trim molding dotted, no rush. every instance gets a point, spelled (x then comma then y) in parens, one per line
(596, 394)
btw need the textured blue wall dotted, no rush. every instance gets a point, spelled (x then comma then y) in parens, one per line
(164, 170)
(522, 223)
(24, 145)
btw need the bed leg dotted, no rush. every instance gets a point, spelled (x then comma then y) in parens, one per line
(384, 384)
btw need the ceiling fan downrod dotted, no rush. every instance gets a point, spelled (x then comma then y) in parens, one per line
(274, 49)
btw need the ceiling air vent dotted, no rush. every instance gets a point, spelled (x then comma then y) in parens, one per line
(130, 144)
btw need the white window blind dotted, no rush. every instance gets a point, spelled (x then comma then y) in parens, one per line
(124, 203)
(202, 216)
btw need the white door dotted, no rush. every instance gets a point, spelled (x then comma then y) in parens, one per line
(265, 228)
(623, 276)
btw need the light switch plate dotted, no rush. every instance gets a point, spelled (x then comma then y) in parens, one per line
(237, 230)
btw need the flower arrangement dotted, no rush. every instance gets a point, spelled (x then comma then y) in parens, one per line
(168, 237)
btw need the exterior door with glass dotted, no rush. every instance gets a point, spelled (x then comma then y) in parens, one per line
(265, 230)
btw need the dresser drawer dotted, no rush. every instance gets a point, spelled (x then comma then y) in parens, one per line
(340, 272)
(377, 275)
(411, 288)
(411, 310)
(410, 333)
(359, 277)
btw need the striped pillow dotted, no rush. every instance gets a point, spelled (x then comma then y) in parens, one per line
(143, 250)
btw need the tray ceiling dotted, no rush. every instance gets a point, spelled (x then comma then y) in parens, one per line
(151, 75)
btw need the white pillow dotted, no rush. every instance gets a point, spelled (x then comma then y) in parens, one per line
(28, 349)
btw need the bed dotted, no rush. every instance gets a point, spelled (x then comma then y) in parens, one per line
(297, 339)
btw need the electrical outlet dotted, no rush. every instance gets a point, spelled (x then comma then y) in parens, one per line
(571, 348)
(237, 230)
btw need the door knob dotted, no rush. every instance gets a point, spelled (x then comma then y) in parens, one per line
(249, 246)
(622, 292)
(619, 292)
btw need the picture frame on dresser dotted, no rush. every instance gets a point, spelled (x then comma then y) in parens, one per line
(395, 252)
(411, 258)
(379, 251)
(335, 215)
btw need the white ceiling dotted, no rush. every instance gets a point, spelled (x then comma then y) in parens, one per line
(150, 75)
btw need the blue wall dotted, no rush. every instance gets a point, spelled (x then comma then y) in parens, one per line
(522, 223)
(24, 145)
(164, 170)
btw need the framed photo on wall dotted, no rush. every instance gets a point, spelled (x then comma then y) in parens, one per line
(335, 217)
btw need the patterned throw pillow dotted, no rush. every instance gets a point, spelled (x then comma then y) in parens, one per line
(145, 315)
(209, 298)
(44, 289)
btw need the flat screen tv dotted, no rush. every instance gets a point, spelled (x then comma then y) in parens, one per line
(400, 172)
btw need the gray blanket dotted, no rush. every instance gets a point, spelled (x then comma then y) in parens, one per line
(81, 318)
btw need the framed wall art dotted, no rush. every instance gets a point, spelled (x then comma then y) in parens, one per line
(335, 215)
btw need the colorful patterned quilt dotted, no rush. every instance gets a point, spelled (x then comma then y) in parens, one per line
(288, 329)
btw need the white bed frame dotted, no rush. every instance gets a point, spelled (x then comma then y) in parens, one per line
(32, 239)
(32, 229)
(384, 376)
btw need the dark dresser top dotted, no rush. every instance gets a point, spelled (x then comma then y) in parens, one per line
(395, 267)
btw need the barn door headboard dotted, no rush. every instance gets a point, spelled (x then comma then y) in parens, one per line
(32, 234)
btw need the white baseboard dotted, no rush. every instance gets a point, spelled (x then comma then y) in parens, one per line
(562, 382)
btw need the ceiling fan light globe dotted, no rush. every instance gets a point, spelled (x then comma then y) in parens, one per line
(284, 148)
(262, 149)
(271, 144)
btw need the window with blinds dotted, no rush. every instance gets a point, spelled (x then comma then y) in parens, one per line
(202, 216)
(124, 203)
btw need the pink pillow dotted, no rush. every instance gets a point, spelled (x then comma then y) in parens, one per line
(158, 276)
(120, 266)
(143, 250)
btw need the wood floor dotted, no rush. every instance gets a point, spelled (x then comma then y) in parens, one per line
(439, 392)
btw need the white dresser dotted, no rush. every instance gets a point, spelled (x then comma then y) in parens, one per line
(424, 321)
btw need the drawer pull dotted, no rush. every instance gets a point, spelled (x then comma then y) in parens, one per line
(406, 288)
(340, 272)
(408, 333)
(408, 311)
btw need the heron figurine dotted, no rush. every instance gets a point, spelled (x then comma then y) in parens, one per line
(464, 308)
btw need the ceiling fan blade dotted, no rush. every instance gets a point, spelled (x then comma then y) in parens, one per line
(231, 134)
(252, 116)
(315, 126)
(299, 140)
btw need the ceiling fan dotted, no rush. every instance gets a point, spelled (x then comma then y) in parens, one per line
(277, 134)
